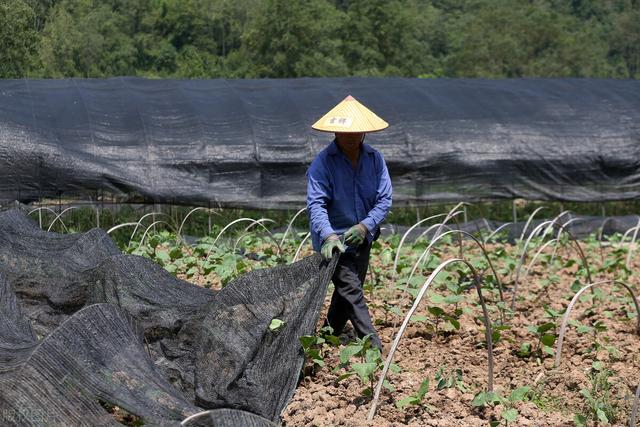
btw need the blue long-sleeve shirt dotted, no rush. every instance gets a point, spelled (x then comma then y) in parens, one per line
(339, 196)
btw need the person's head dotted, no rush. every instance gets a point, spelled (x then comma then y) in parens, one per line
(349, 140)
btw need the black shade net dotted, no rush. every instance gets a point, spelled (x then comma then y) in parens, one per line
(84, 327)
(248, 143)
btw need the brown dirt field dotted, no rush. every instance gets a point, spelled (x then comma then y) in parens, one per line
(322, 401)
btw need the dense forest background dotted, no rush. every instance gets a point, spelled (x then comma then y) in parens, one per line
(295, 38)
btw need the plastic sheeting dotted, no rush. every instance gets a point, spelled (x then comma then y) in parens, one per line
(81, 323)
(247, 143)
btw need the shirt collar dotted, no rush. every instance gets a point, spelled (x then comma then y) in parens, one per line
(332, 150)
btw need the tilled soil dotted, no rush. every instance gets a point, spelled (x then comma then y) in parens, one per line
(556, 393)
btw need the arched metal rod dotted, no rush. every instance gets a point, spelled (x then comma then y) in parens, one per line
(601, 231)
(423, 256)
(126, 224)
(567, 313)
(496, 231)
(453, 212)
(253, 222)
(39, 210)
(259, 222)
(626, 233)
(435, 235)
(585, 264)
(560, 229)
(535, 257)
(404, 236)
(185, 220)
(600, 235)
(295, 257)
(140, 223)
(149, 227)
(58, 216)
(192, 417)
(396, 342)
(486, 224)
(633, 241)
(480, 245)
(526, 225)
(284, 236)
(556, 219)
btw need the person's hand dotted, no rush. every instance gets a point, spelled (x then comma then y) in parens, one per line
(355, 235)
(332, 242)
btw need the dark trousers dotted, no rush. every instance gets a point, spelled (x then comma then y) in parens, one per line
(347, 302)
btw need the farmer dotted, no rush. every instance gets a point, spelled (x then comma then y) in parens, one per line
(348, 196)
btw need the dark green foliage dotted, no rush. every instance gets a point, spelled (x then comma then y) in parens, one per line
(17, 37)
(277, 38)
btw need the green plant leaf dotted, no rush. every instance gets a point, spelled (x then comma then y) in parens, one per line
(519, 394)
(175, 253)
(307, 341)
(602, 416)
(510, 415)
(436, 311)
(345, 376)
(347, 352)
(192, 271)
(545, 327)
(479, 399)
(395, 368)
(453, 299)
(372, 355)
(525, 350)
(423, 389)
(436, 299)
(276, 325)
(364, 370)
(454, 322)
(163, 257)
(579, 420)
(548, 339)
(403, 403)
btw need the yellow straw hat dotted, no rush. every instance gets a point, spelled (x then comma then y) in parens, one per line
(350, 116)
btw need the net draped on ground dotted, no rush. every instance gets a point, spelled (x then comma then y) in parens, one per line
(248, 143)
(83, 326)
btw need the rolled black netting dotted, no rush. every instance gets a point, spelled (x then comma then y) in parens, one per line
(231, 417)
(119, 330)
(248, 143)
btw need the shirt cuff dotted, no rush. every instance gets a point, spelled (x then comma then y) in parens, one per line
(326, 232)
(370, 224)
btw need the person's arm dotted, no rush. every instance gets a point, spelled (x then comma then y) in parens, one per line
(383, 199)
(319, 193)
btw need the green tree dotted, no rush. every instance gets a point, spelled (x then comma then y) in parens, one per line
(625, 42)
(87, 38)
(390, 37)
(295, 39)
(507, 38)
(17, 37)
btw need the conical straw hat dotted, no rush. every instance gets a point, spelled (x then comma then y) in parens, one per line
(350, 116)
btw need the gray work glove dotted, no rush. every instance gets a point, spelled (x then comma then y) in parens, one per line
(355, 235)
(330, 243)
